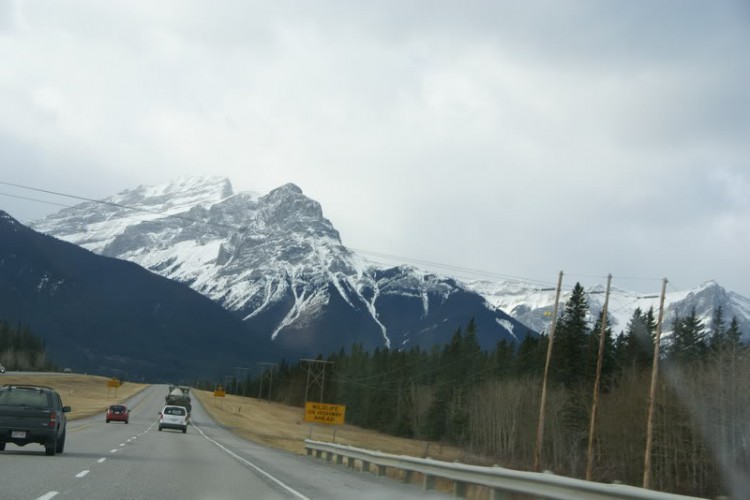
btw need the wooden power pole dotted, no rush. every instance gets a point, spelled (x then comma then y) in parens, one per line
(540, 428)
(599, 361)
(652, 392)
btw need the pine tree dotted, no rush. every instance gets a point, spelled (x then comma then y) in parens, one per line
(689, 338)
(569, 351)
(718, 333)
(608, 356)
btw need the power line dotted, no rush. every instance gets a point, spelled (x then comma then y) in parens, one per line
(118, 205)
(239, 230)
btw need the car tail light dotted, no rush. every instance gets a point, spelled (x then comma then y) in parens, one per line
(52, 419)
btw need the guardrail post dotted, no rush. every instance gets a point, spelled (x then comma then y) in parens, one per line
(350, 462)
(428, 482)
(380, 471)
(408, 476)
(329, 456)
(498, 495)
(309, 452)
(339, 459)
(365, 466)
(318, 453)
(459, 489)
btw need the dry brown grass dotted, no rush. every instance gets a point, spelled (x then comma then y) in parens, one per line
(86, 394)
(281, 426)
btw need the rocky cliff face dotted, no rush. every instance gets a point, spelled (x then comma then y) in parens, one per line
(278, 263)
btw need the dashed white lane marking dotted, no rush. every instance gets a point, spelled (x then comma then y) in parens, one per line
(113, 451)
(47, 496)
(122, 444)
(82, 473)
(101, 460)
(253, 466)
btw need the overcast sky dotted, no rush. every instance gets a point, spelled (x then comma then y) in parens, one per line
(516, 137)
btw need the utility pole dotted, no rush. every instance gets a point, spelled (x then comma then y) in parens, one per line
(592, 424)
(244, 370)
(540, 428)
(266, 368)
(316, 374)
(652, 392)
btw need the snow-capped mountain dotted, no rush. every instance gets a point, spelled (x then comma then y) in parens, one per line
(528, 304)
(279, 264)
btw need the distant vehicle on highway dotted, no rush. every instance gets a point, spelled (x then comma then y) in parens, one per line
(118, 413)
(67, 370)
(2, 369)
(179, 396)
(174, 417)
(32, 414)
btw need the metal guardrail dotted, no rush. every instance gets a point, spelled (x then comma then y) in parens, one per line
(500, 481)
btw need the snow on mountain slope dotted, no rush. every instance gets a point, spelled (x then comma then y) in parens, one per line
(528, 304)
(277, 262)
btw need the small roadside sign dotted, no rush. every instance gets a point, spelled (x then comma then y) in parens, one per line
(113, 382)
(320, 413)
(219, 392)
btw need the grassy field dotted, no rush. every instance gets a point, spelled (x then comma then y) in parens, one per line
(283, 427)
(85, 394)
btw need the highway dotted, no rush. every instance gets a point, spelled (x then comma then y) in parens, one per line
(135, 461)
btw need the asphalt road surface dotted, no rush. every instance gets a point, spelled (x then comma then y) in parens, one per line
(134, 461)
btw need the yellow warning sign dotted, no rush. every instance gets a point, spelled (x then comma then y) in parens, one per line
(320, 413)
(113, 382)
(219, 392)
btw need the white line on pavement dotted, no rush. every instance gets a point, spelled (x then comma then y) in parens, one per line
(113, 451)
(250, 464)
(47, 496)
(122, 444)
(82, 473)
(101, 460)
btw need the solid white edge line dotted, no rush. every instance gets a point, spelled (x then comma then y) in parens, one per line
(252, 465)
(82, 473)
(101, 460)
(48, 495)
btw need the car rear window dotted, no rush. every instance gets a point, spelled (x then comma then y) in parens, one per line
(117, 408)
(24, 397)
(174, 411)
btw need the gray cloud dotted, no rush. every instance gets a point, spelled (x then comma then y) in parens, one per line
(520, 137)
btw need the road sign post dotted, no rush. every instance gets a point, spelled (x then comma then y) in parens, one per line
(112, 383)
(220, 393)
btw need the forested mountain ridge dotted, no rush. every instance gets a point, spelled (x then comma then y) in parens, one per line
(111, 316)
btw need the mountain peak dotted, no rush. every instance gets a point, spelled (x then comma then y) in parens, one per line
(289, 187)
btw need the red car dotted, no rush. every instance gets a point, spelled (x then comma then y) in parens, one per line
(118, 413)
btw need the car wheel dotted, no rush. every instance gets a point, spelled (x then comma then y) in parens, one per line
(50, 447)
(61, 443)
(2, 446)
(126, 422)
(184, 430)
(160, 428)
(107, 420)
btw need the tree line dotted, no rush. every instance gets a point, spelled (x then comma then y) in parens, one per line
(488, 402)
(21, 350)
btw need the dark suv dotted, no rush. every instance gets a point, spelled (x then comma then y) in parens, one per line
(32, 414)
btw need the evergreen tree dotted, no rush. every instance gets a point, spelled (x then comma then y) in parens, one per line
(689, 338)
(718, 333)
(608, 356)
(569, 350)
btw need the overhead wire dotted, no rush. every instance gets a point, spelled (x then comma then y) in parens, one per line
(123, 206)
